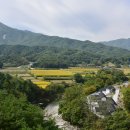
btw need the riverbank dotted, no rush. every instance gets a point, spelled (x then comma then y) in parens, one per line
(51, 111)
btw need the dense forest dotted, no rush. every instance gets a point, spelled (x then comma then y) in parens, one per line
(55, 57)
(19, 101)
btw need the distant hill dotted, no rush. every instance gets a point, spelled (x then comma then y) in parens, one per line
(121, 43)
(19, 47)
(11, 36)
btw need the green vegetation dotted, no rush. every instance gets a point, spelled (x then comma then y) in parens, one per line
(78, 78)
(1, 65)
(16, 110)
(33, 93)
(19, 99)
(21, 47)
(56, 57)
(126, 98)
(101, 79)
(120, 120)
(18, 113)
(74, 107)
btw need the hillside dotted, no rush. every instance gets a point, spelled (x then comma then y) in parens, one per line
(54, 57)
(19, 47)
(121, 43)
(11, 36)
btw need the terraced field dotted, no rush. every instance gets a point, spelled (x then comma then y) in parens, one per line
(43, 77)
(23, 73)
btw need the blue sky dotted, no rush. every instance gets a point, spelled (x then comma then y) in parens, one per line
(96, 20)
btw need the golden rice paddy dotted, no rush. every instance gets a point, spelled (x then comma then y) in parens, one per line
(42, 84)
(51, 73)
(62, 72)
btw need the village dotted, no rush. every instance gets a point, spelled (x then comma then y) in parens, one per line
(105, 101)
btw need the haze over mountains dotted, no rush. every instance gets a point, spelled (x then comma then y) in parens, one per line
(11, 36)
(121, 43)
(26, 46)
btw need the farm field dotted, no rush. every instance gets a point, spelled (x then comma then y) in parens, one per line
(63, 72)
(13, 70)
(82, 70)
(43, 77)
(23, 73)
(41, 84)
(126, 70)
(53, 73)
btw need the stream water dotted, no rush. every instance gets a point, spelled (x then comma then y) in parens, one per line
(51, 111)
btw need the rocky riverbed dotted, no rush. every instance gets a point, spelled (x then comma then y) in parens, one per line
(51, 111)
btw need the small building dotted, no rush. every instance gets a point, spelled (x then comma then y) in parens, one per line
(101, 103)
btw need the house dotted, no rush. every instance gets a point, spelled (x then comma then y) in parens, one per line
(108, 91)
(101, 103)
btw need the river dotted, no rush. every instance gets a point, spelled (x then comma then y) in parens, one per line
(51, 111)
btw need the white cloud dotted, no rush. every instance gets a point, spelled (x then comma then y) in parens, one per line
(95, 20)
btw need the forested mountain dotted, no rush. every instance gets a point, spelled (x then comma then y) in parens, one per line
(20, 47)
(54, 57)
(12, 36)
(121, 43)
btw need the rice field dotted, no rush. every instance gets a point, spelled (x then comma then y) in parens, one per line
(43, 77)
(42, 84)
(63, 72)
(53, 73)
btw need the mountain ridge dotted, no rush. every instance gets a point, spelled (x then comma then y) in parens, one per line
(120, 43)
(12, 36)
(54, 50)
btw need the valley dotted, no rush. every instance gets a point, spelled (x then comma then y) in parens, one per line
(62, 83)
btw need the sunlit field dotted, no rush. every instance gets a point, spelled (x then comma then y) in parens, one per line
(43, 77)
(42, 84)
(126, 70)
(62, 72)
(51, 73)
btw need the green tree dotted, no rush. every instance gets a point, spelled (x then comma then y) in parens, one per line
(19, 114)
(118, 121)
(126, 98)
(74, 108)
(1, 65)
(78, 78)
